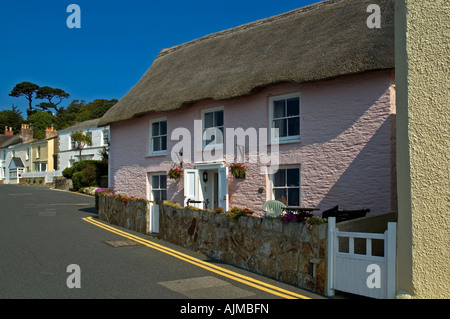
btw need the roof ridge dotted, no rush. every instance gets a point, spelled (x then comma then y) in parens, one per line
(248, 25)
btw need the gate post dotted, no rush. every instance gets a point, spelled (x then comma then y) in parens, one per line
(390, 250)
(331, 247)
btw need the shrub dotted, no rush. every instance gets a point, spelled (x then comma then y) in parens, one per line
(218, 210)
(86, 173)
(235, 212)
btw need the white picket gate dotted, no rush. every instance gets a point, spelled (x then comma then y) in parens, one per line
(153, 218)
(359, 271)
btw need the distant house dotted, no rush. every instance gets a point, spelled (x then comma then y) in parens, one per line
(68, 154)
(6, 140)
(23, 157)
(318, 74)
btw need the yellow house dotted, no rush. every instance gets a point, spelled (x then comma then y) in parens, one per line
(422, 69)
(44, 153)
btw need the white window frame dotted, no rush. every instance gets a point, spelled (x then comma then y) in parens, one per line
(151, 189)
(284, 139)
(272, 187)
(150, 143)
(105, 133)
(216, 145)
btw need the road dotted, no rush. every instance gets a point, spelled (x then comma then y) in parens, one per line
(44, 231)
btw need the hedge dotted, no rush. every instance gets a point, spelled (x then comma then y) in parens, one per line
(86, 173)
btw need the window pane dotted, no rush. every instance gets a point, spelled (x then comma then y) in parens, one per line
(164, 143)
(293, 196)
(156, 144)
(219, 118)
(281, 126)
(293, 178)
(163, 127)
(209, 119)
(163, 181)
(279, 109)
(156, 195)
(280, 194)
(279, 178)
(294, 126)
(155, 181)
(163, 194)
(293, 108)
(155, 129)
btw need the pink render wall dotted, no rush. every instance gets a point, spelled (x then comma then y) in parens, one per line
(345, 152)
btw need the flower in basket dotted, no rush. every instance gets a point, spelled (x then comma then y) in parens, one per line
(238, 170)
(175, 173)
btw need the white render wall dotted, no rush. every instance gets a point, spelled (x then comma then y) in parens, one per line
(67, 154)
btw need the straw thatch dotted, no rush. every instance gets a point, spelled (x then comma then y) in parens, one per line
(320, 41)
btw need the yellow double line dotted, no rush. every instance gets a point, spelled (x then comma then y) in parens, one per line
(200, 263)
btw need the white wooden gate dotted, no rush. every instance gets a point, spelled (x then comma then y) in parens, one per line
(153, 218)
(358, 270)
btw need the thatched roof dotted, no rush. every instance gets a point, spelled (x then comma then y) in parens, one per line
(320, 41)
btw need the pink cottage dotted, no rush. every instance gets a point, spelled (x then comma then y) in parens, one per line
(304, 100)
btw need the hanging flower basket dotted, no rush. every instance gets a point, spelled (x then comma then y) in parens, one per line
(175, 173)
(238, 170)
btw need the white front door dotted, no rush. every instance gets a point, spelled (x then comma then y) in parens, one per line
(199, 190)
(223, 188)
(191, 187)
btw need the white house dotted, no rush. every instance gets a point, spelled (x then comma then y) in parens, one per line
(68, 155)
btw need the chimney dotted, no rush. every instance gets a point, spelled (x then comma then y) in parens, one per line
(26, 133)
(8, 131)
(50, 131)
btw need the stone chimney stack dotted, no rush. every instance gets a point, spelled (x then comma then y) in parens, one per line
(50, 131)
(8, 131)
(26, 132)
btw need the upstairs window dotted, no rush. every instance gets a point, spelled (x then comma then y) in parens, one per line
(212, 127)
(158, 137)
(285, 116)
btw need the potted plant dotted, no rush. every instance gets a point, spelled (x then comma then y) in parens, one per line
(175, 173)
(238, 170)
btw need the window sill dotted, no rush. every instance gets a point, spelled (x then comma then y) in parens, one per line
(286, 141)
(157, 154)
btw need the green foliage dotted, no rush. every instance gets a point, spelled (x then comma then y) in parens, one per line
(86, 173)
(76, 111)
(11, 118)
(26, 89)
(39, 121)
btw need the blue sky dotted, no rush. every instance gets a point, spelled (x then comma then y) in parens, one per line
(116, 44)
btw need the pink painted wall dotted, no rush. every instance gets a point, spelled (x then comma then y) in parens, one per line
(345, 152)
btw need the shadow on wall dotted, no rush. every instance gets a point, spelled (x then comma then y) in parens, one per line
(369, 180)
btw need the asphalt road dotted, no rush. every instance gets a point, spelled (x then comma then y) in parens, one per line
(42, 232)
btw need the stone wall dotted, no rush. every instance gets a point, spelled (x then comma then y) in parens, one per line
(289, 252)
(125, 212)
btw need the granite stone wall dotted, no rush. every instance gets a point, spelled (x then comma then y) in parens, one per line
(290, 252)
(128, 213)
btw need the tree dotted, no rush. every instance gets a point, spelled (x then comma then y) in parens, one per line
(49, 93)
(81, 140)
(11, 118)
(26, 89)
(39, 121)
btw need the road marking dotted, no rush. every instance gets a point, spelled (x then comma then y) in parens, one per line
(202, 264)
